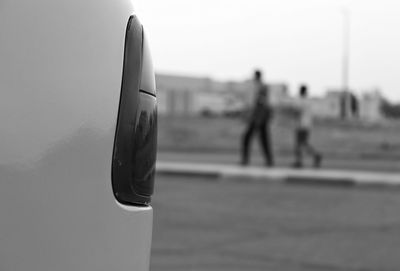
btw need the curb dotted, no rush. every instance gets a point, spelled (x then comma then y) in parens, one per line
(287, 175)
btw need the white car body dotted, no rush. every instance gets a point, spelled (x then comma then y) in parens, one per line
(61, 65)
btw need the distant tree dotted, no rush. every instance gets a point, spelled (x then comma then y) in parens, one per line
(390, 110)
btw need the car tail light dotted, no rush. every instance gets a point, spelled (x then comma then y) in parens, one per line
(135, 145)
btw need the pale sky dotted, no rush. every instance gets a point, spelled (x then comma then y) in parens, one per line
(292, 41)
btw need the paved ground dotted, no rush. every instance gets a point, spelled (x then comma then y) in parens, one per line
(263, 174)
(233, 158)
(211, 224)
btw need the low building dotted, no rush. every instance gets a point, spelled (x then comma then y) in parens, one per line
(185, 95)
(370, 106)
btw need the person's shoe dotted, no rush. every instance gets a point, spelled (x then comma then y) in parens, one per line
(317, 160)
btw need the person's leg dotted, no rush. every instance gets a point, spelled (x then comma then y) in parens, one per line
(265, 139)
(246, 143)
(311, 150)
(307, 146)
(298, 150)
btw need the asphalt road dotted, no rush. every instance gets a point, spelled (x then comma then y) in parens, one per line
(211, 224)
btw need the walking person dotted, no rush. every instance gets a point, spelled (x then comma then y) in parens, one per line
(258, 121)
(303, 131)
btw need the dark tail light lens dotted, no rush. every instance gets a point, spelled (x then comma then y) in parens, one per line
(135, 145)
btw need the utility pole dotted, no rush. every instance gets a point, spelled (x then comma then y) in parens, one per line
(346, 49)
(346, 63)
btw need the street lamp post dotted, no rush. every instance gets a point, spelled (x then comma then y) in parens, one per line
(346, 62)
(346, 49)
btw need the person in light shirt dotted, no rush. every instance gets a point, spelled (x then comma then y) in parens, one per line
(303, 131)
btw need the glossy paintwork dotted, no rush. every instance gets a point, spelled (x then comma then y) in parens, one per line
(60, 80)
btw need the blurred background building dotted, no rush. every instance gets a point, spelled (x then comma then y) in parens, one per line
(186, 95)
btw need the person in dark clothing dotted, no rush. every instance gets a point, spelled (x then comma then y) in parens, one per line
(354, 105)
(258, 121)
